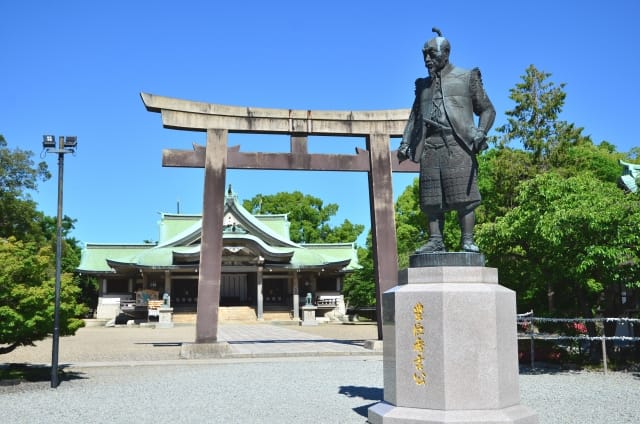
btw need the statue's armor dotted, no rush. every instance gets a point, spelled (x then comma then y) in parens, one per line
(445, 147)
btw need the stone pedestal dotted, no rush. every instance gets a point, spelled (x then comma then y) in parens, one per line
(205, 350)
(108, 308)
(450, 349)
(309, 315)
(165, 318)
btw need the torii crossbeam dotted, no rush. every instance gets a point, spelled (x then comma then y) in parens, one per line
(377, 127)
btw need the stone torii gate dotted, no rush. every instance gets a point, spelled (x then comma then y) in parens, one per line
(377, 127)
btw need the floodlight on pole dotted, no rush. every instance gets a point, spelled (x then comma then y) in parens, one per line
(66, 145)
(70, 142)
(49, 141)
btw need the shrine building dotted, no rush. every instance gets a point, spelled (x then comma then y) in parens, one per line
(262, 269)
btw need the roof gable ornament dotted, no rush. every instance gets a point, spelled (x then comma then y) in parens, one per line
(232, 226)
(231, 196)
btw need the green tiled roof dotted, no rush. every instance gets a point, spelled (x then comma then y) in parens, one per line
(172, 224)
(336, 252)
(95, 255)
(266, 235)
(278, 223)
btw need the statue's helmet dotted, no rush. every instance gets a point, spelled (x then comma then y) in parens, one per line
(438, 44)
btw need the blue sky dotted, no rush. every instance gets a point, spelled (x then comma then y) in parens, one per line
(77, 68)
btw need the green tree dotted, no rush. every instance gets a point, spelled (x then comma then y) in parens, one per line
(576, 237)
(18, 177)
(601, 160)
(534, 119)
(308, 215)
(71, 250)
(549, 143)
(27, 292)
(411, 223)
(634, 154)
(359, 287)
(500, 173)
(19, 217)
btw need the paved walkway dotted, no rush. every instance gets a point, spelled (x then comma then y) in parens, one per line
(104, 345)
(272, 340)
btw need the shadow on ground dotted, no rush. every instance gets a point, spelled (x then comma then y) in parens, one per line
(14, 374)
(293, 341)
(366, 393)
(161, 344)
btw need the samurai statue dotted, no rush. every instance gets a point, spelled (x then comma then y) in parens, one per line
(442, 136)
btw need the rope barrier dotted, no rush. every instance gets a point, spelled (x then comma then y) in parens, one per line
(528, 318)
(587, 338)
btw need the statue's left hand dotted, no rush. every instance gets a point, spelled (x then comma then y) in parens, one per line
(479, 138)
(403, 154)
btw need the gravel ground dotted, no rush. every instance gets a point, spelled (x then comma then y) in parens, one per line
(259, 390)
(295, 390)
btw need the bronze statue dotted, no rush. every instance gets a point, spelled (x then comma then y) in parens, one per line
(442, 136)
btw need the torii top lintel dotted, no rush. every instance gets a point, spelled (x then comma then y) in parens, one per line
(199, 116)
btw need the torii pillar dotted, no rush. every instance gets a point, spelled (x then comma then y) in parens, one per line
(379, 161)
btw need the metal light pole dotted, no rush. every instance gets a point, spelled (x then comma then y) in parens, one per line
(66, 145)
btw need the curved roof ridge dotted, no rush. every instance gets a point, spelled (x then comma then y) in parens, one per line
(231, 202)
(330, 245)
(120, 245)
(184, 237)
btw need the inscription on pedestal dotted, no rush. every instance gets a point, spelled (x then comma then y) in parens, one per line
(419, 376)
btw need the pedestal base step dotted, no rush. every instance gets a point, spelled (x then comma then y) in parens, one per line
(385, 413)
(420, 260)
(204, 350)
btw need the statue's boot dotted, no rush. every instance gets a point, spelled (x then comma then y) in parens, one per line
(434, 244)
(468, 245)
(436, 226)
(467, 222)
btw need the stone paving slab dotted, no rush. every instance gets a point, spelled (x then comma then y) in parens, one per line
(270, 340)
(247, 340)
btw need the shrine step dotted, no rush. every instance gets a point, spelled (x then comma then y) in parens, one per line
(276, 316)
(237, 313)
(184, 317)
(234, 313)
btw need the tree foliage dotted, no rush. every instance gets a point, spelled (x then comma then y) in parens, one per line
(534, 119)
(500, 173)
(308, 216)
(27, 295)
(18, 177)
(411, 228)
(17, 171)
(19, 217)
(556, 241)
(359, 288)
